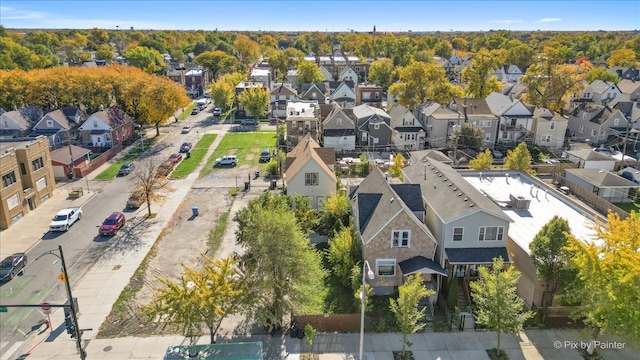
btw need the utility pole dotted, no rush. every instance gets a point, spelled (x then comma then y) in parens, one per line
(74, 315)
(72, 174)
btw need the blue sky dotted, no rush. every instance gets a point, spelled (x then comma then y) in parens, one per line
(311, 15)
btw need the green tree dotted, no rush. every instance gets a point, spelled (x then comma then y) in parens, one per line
(149, 60)
(104, 52)
(622, 57)
(343, 254)
(282, 60)
(498, 306)
(548, 84)
(609, 270)
(468, 135)
(443, 49)
(476, 76)
(519, 159)
(256, 100)
(550, 257)
(396, 169)
(405, 308)
(222, 94)
(309, 72)
(600, 73)
(284, 270)
(309, 334)
(419, 83)
(201, 297)
(162, 99)
(521, 55)
(403, 50)
(335, 214)
(248, 50)
(218, 62)
(381, 72)
(483, 161)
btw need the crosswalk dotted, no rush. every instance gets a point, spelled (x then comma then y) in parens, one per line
(7, 349)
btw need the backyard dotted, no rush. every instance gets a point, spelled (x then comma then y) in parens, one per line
(188, 164)
(245, 145)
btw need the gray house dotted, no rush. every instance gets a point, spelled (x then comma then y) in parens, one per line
(339, 129)
(438, 123)
(592, 123)
(604, 184)
(60, 126)
(373, 127)
(516, 120)
(477, 112)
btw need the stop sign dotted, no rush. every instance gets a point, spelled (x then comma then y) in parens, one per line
(45, 306)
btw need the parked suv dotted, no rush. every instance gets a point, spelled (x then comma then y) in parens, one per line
(112, 224)
(227, 160)
(265, 155)
(135, 200)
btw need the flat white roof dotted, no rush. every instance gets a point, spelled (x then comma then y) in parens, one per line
(544, 205)
(260, 72)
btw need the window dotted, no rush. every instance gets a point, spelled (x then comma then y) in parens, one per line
(552, 125)
(311, 179)
(50, 123)
(584, 116)
(616, 121)
(487, 137)
(546, 138)
(581, 129)
(491, 233)
(400, 238)
(339, 121)
(9, 179)
(294, 124)
(95, 123)
(13, 201)
(376, 126)
(594, 132)
(457, 233)
(23, 169)
(386, 267)
(37, 164)
(365, 136)
(375, 140)
(41, 183)
(485, 123)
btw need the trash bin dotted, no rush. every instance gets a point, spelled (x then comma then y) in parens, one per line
(188, 154)
(194, 210)
(257, 174)
(273, 184)
(246, 186)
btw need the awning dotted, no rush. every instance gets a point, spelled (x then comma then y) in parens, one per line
(476, 255)
(420, 264)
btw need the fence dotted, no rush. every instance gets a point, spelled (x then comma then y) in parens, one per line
(331, 322)
(600, 204)
(97, 162)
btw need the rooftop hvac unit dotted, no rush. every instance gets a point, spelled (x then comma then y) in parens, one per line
(519, 202)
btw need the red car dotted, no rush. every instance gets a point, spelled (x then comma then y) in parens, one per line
(112, 224)
(175, 158)
(275, 121)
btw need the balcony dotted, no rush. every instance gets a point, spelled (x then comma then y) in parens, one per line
(515, 128)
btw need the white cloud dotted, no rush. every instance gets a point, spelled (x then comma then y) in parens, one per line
(546, 20)
(506, 21)
(9, 13)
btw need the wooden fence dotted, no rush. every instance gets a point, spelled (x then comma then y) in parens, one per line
(99, 161)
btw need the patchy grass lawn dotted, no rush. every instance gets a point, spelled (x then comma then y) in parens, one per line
(198, 152)
(246, 146)
(187, 111)
(112, 171)
(630, 206)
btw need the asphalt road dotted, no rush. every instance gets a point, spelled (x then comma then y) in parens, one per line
(81, 245)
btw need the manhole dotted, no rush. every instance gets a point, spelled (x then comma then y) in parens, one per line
(107, 348)
(117, 267)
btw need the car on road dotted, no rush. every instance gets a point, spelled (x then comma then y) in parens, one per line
(186, 129)
(265, 155)
(112, 224)
(65, 218)
(185, 147)
(175, 158)
(135, 200)
(194, 111)
(11, 266)
(126, 169)
(226, 160)
(217, 111)
(249, 122)
(165, 168)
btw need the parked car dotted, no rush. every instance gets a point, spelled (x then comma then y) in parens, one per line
(249, 122)
(217, 111)
(186, 129)
(135, 200)
(226, 160)
(175, 158)
(65, 218)
(11, 266)
(126, 169)
(185, 147)
(276, 121)
(497, 154)
(265, 155)
(194, 111)
(112, 224)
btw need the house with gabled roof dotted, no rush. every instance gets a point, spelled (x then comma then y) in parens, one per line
(310, 172)
(470, 229)
(373, 127)
(339, 129)
(626, 72)
(592, 123)
(278, 97)
(314, 91)
(105, 129)
(14, 124)
(507, 73)
(408, 133)
(437, 121)
(347, 74)
(59, 126)
(630, 88)
(389, 221)
(326, 75)
(476, 111)
(631, 111)
(603, 183)
(549, 128)
(344, 95)
(602, 92)
(303, 118)
(516, 120)
(590, 159)
(369, 94)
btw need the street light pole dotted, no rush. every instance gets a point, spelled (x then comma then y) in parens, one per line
(363, 297)
(72, 306)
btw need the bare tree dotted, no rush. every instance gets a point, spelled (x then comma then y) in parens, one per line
(147, 179)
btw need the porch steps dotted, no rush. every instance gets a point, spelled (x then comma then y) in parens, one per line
(462, 298)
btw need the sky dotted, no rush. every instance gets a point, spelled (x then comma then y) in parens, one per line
(312, 15)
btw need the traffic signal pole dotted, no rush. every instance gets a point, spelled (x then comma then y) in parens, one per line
(74, 316)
